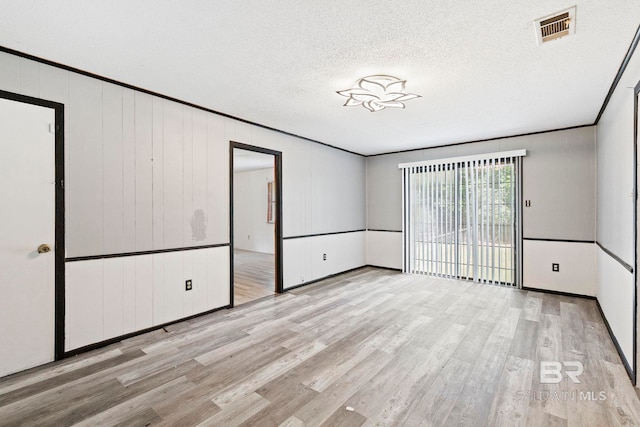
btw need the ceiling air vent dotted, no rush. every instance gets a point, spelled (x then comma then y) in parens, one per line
(555, 26)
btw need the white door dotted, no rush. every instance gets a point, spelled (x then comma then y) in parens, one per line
(27, 220)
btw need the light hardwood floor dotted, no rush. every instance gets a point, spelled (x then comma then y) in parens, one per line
(253, 275)
(371, 347)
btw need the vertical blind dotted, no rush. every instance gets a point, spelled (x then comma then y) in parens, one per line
(462, 218)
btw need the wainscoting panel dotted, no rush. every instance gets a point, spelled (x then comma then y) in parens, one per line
(384, 249)
(84, 303)
(616, 297)
(577, 261)
(303, 257)
(113, 273)
(107, 298)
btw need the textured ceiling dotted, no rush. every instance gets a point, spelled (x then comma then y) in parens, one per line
(244, 161)
(279, 63)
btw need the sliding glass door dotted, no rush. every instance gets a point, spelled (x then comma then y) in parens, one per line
(462, 218)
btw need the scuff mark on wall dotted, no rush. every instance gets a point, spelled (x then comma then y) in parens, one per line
(198, 225)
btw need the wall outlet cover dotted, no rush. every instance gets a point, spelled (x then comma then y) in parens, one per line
(188, 285)
(555, 267)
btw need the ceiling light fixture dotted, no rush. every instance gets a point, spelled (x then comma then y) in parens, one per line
(375, 93)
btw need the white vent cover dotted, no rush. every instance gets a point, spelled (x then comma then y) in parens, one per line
(556, 25)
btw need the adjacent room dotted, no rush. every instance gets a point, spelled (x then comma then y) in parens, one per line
(367, 213)
(254, 219)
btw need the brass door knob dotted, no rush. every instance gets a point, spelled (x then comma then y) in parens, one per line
(44, 248)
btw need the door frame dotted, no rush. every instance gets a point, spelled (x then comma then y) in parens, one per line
(59, 252)
(279, 288)
(636, 94)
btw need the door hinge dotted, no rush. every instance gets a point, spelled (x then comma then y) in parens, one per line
(54, 128)
(62, 183)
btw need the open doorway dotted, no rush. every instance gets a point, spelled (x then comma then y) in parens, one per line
(255, 235)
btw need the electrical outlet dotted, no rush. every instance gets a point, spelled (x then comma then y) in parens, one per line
(555, 267)
(527, 203)
(324, 257)
(188, 285)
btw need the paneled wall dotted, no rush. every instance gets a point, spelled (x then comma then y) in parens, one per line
(558, 178)
(148, 174)
(615, 209)
(138, 168)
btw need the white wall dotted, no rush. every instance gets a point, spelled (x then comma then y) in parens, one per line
(110, 297)
(615, 205)
(144, 174)
(615, 168)
(251, 231)
(577, 264)
(616, 295)
(304, 262)
(384, 249)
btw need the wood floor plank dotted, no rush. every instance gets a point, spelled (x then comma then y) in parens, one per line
(105, 397)
(51, 382)
(537, 417)
(120, 413)
(237, 411)
(525, 339)
(266, 374)
(550, 304)
(270, 338)
(376, 392)
(404, 335)
(230, 370)
(599, 345)
(187, 408)
(573, 335)
(286, 395)
(55, 370)
(393, 410)
(476, 337)
(292, 422)
(532, 307)
(617, 398)
(509, 409)
(471, 408)
(343, 417)
(436, 400)
(549, 349)
(345, 355)
(145, 418)
(491, 359)
(321, 408)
